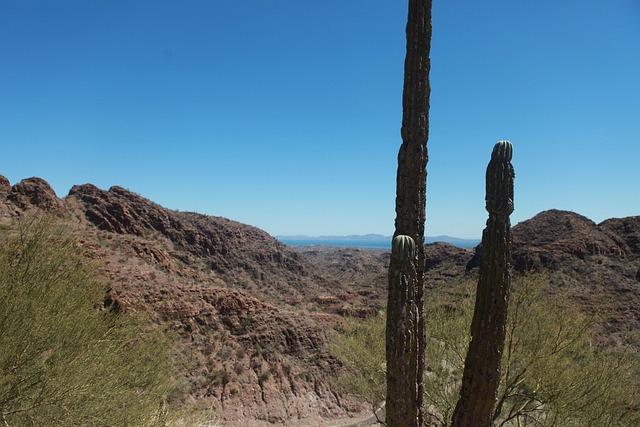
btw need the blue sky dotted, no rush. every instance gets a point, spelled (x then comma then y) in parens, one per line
(286, 114)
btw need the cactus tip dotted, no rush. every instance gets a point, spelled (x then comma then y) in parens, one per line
(503, 150)
(403, 247)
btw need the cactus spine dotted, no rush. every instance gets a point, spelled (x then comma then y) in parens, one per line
(482, 369)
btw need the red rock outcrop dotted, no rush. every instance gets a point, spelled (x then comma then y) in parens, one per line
(554, 237)
(33, 193)
(238, 253)
(5, 185)
(595, 264)
(627, 229)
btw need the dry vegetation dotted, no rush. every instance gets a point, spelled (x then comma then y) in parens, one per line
(64, 361)
(553, 373)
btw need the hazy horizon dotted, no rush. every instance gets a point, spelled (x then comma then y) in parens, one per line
(286, 115)
(368, 241)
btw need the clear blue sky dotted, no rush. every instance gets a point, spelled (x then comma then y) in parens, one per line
(286, 114)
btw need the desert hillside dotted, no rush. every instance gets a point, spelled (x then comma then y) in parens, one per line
(596, 264)
(253, 315)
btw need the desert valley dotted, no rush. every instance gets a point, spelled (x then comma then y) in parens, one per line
(253, 317)
(167, 164)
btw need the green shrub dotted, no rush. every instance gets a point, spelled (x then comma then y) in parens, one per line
(552, 373)
(64, 362)
(361, 347)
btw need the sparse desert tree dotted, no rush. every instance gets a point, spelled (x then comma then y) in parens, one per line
(361, 348)
(552, 376)
(405, 407)
(63, 362)
(482, 368)
(552, 373)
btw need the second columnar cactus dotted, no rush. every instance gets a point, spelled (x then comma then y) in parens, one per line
(402, 334)
(482, 368)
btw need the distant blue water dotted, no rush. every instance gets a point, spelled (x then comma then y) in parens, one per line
(374, 244)
(369, 244)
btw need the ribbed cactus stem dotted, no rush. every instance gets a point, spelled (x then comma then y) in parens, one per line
(402, 333)
(405, 371)
(482, 369)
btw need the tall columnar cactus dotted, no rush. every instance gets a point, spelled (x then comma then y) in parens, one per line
(482, 366)
(404, 405)
(402, 327)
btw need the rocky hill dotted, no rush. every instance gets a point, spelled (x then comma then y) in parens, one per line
(249, 311)
(253, 315)
(597, 265)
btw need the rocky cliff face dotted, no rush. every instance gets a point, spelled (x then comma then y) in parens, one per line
(253, 334)
(28, 193)
(239, 255)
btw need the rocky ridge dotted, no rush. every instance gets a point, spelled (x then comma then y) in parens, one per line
(252, 334)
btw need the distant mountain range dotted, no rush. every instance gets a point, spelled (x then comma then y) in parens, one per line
(377, 241)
